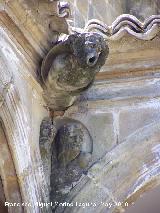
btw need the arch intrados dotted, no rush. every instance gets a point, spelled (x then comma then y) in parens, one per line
(8, 172)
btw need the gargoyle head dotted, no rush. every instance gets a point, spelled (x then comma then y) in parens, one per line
(90, 49)
(75, 60)
(70, 67)
(88, 53)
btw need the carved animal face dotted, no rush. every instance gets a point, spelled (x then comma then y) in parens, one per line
(70, 67)
(88, 54)
(90, 50)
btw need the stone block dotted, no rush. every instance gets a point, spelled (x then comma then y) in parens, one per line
(133, 120)
(82, 6)
(101, 128)
(143, 8)
(79, 20)
(108, 10)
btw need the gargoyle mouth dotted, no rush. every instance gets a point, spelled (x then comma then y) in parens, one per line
(92, 59)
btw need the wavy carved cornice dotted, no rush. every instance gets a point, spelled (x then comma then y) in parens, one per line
(125, 24)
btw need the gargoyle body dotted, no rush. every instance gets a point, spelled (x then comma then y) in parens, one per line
(66, 144)
(70, 68)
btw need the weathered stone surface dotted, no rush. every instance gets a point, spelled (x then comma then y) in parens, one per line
(142, 8)
(148, 202)
(136, 102)
(126, 89)
(108, 11)
(70, 68)
(101, 128)
(3, 208)
(66, 149)
(21, 111)
(10, 184)
(83, 8)
(133, 120)
(106, 183)
(37, 20)
(26, 34)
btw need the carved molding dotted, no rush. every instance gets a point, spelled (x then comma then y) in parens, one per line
(29, 171)
(40, 22)
(125, 24)
(18, 125)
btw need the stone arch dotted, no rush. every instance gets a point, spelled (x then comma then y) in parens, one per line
(18, 122)
(9, 179)
(146, 202)
(147, 189)
(3, 208)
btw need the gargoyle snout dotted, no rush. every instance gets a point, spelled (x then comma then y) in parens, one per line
(92, 59)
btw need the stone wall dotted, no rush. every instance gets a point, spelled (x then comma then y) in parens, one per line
(142, 8)
(108, 10)
(121, 111)
(105, 11)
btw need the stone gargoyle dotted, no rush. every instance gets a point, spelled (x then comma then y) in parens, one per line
(66, 144)
(70, 68)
